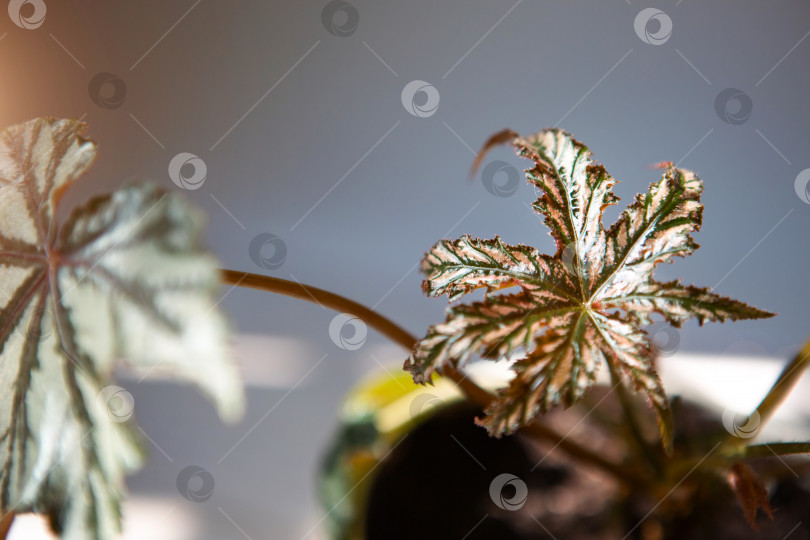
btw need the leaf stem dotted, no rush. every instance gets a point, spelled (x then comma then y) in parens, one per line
(783, 386)
(780, 390)
(396, 333)
(632, 420)
(5, 524)
(324, 298)
(776, 449)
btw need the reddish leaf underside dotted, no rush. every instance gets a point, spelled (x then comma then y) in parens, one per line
(750, 492)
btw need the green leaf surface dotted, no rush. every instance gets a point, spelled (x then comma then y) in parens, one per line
(124, 279)
(585, 305)
(458, 267)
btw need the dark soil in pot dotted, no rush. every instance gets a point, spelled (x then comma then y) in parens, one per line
(437, 483)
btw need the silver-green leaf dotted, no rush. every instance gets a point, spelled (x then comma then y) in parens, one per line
(585, 305)
(123, 279)
(457, 267)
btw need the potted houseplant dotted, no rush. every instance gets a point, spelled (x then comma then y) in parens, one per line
(125, 278)
(557, 316)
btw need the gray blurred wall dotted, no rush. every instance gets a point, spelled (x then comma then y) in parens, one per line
(304, 135)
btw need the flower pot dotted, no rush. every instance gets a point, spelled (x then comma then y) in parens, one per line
(409, 462)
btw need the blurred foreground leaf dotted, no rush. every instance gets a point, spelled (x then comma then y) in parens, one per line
(123, 279)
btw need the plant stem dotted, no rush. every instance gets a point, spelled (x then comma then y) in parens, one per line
(322, 297)
(632, 420)
(780, 390)
(5, 525)
(396, 333)
(624, 474)
(776, 449)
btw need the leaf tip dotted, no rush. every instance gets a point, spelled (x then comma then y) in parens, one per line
(502, 137)
(420, 374)
(495, 429)
(751, 493)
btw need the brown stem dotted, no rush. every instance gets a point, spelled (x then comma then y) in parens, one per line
(776, 449)
(5, 525)
(482, 398)
(783, 386)
(323, 298)
(626, 475)
(633, 423)
(780, 390)
(388, 328)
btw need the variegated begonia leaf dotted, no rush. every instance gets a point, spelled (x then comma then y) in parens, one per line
(585, 304)
(123, 279)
